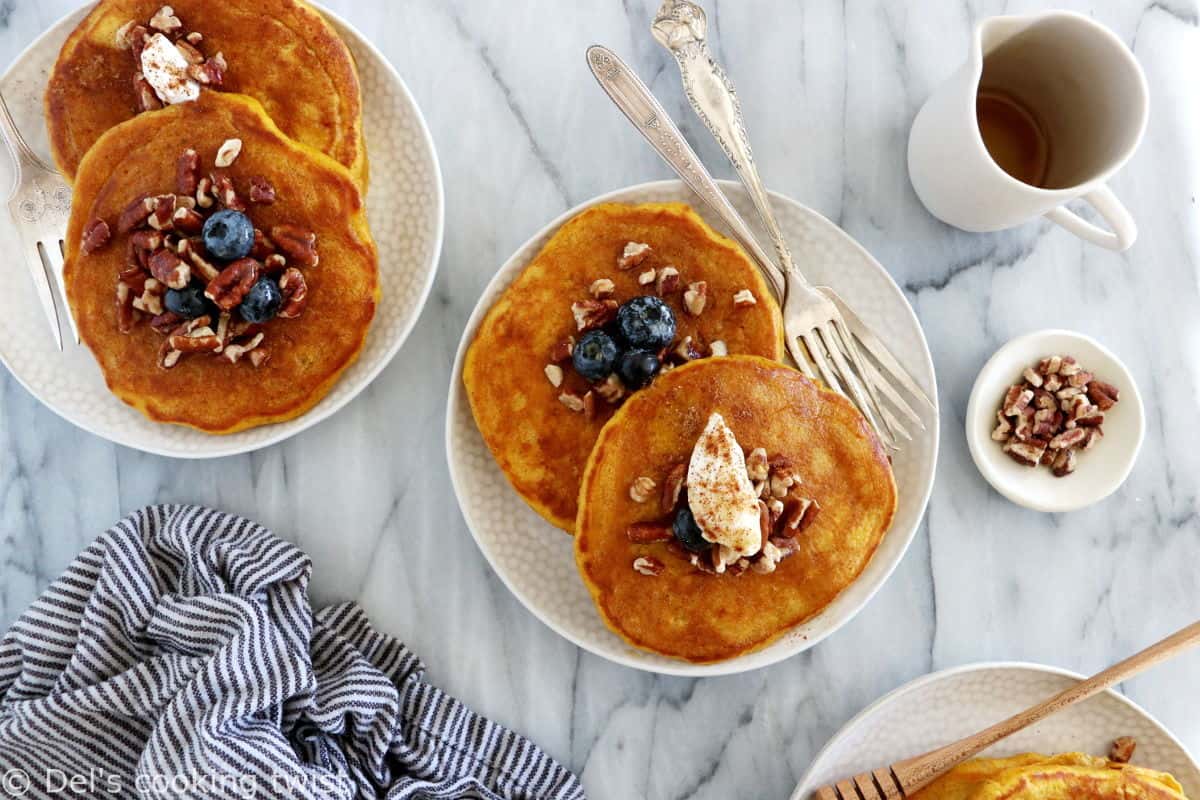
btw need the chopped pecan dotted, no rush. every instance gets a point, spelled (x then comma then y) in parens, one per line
(1027, 453)
(233, 352)
(601, 288)
(234, 282)
(1017, 400)
(1053, 383)
(166, 322)
(572, 401)
(261, 191)
(757, 466)
(228, 153)
(1050, 365)
(299, 245)
(1064, 463)
(150, 300)
(146, 97)
(210, 73)
(170, 270)
(274, 264)
(295, 293)
(672, 487)
(744, 299)
(592, 314)
(718, 348)
(226, 193)
(642, 489)
(135, 277)
(96, 235)
(686, 351)
(1122, 750)
(199, 340)
(162, 216)
(633, 255)
(205, 195)
(166, 21)
(1103, 395)
(1069, 367)
(589, 406)
(668, 282)
(562, 351)
(187, 172)
(194, 38)
(1003, 430)
(695, 298)
(191, 250)
(123, 37)
(798, 514)
(647, 277)
(135, 214)
(1032, 377)
(187, 221)
(190, 53)
(554, 374)
(649, 532)
(648, 566)
(1080, 380)
(259, 356)
(611, 389)
(262, 246)
(125, 313)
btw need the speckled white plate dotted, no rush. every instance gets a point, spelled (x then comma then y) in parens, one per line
(536, 560)
(946, 706)
(404, 205)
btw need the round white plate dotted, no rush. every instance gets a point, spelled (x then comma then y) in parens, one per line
(536, 560)
(404, 205)
(1101, 470)
(946, 706)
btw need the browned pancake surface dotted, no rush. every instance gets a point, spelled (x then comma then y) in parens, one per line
(540, 445)
(281, 52)
(314, 193)
(700, 617)
(1031, 776)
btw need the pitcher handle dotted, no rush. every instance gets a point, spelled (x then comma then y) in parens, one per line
(1124, 229)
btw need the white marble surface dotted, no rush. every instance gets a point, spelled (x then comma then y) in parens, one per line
(829, 89)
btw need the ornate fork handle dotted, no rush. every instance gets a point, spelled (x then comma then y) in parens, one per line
(637, 103)
(681, 27)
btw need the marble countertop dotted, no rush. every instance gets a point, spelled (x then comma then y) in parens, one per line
(830, 89)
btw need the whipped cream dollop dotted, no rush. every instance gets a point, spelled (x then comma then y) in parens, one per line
(165, 69)
(720, 494)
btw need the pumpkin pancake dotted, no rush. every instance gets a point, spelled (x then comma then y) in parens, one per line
(541, 445)
(1037, 777)
(662, 598)
(283, 53)
(214, 391)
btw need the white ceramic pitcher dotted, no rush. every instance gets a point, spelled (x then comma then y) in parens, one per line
(1085, 88)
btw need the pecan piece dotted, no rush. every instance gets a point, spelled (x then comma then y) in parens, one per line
(1004, 428)
(210, 73)
(642, 489)
(234, 282)
(205, 196)
(1064, 463)
(170, 270)
(166, 322)
(718, 348)
(612, 390)
(633, 255)
(150, 300)
(757, 466)
(601, 288)
(648, 566)
(274, 264)
(1027, 453)
(554, 374)
(668, 281)
(672, 487)
(125, 313)
(191, 250)
(695, 298)
(187, 221)
(228, 153)
(686, 351)
(1122, 750)
(261, 191)
(592, 314)
(189, 51)
(165, 20)
(295, 293)
(572, 401)
(299, 245)
(187, 172)
(562, 351)
(1103, 395)
(262, 246)
(649, 532)
(96, 235)
(233, 352)
(162, 216)
(744, 299)
(226, 193)
(146, 97)
(1017, 400)
(798, 514)
(135, 214)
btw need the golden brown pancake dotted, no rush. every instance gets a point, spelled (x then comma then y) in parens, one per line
(283, 53)
(690, 614)
(1036, 777)
(541, 447)
(314, 193)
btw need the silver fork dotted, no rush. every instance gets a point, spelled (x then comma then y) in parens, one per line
(638, 104)
(810, 315)
(40, 204)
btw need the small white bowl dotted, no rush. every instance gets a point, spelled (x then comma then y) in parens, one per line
(1100, 470)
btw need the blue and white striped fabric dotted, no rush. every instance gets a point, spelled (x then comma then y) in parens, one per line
(179, 657)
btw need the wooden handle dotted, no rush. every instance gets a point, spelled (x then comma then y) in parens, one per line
(916, 773)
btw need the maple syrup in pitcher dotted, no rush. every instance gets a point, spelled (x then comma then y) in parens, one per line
(1013, 135)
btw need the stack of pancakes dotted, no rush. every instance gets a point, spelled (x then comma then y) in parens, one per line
(577, 469)
(290, 94)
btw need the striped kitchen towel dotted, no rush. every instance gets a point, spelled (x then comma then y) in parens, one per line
(178, 657)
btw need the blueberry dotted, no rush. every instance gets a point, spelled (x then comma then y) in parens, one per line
(646, 323)
(595, 355)
(228, 235)
(638, 367)
(688, 532)
(262, 302)
(189, 302)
